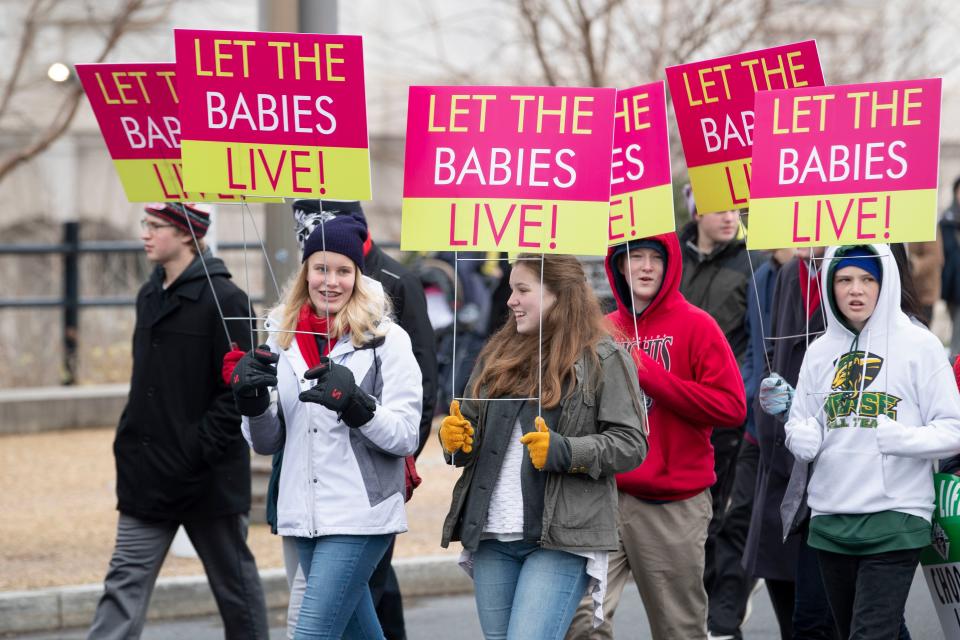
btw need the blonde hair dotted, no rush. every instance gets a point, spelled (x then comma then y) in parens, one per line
(362, 316)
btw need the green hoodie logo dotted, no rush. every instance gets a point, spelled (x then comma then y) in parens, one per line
(855, 371)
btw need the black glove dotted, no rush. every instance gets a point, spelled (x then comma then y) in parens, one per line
(255, 371)
(337, 390)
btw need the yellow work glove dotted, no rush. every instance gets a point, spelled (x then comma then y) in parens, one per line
(456, 432)
(538, 443)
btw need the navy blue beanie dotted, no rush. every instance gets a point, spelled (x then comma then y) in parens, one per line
(643, 243)
(863, 258)
(343, 234)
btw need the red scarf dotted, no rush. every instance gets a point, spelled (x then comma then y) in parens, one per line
(814, 294)
(309, 322)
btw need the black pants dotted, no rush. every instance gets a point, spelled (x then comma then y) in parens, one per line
(731, 586)
(812, 618)
(140, 550)
(782, 595)
(385, 591)
(726, 448)
(868, 593)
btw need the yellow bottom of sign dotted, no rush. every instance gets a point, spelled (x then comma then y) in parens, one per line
(498, 224)
(723, 186)
(336, 173)
(850, 218)
(161, 180)
(641, 214)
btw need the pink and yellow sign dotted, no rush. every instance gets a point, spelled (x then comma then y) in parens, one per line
(508, 169)
(136, 107)
(846, 164)
(713, 103)
(274, 114)
(641, 193)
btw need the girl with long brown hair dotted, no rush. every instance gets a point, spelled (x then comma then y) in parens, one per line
(551, 384)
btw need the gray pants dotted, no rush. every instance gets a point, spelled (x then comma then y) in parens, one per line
(662, 546)
(138, 555)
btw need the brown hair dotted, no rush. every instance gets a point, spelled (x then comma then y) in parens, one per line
(573, 324)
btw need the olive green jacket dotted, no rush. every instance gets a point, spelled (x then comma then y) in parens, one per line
(604, 423)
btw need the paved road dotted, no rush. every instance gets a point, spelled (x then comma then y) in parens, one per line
(455, 617)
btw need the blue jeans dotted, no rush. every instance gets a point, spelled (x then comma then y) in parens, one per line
(337, 602)
(526, 592)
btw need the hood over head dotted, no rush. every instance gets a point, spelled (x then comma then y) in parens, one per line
(673, 269)
(887, 313)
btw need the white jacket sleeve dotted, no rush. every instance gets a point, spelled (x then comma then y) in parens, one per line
(939, 403)
(395, 427)
(264, 433)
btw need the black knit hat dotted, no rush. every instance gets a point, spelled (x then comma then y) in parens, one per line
(176, 214)
(340, 234)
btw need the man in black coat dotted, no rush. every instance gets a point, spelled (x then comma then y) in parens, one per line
(180, 456)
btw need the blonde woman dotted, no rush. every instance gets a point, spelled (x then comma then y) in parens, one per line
(346, 413)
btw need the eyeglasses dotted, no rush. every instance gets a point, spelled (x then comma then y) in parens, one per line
(152, 227)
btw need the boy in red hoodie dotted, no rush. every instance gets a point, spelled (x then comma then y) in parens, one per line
(692, 384)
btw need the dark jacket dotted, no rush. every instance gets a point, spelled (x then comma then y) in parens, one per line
(410, 312)
(757, 323)
(765, 554)
(950, 233)
(717, 283)
(179, 451)
(604, 425)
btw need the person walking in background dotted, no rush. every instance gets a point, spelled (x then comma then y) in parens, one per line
(689, 376)
(346, 413)
(732, 587)
(180, 456)
(716, 269)
(949, 229)
(875, 404)
(535, 507)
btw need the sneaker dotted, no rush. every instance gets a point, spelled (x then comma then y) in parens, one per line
(711, 636)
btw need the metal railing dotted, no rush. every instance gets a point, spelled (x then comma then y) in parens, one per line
(70, 301)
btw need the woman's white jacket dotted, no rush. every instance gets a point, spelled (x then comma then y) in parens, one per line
(336, 479)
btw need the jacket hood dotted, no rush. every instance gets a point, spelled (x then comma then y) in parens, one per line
(195, 270)
(887, 313)
(669, 288)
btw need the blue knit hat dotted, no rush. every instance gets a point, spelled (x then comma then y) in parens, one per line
(343, 234)
(863, 258)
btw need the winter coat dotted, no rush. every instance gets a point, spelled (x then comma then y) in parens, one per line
(410, 311)
(892, 367)
(178, 448)
(949, 228)
(766, 555)
(604, 424)
(336, 479)
(717, 283)
(757, 323)
(690, 378)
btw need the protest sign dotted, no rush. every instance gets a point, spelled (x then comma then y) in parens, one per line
(940, 561)
(641, 193)
(508, 169)
(135, 105)
(713, 104)
(846, 164)
(279, 114)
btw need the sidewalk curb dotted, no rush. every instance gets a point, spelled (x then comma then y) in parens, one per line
(73, 606)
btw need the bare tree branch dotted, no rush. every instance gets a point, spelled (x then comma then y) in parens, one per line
(119, 24)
